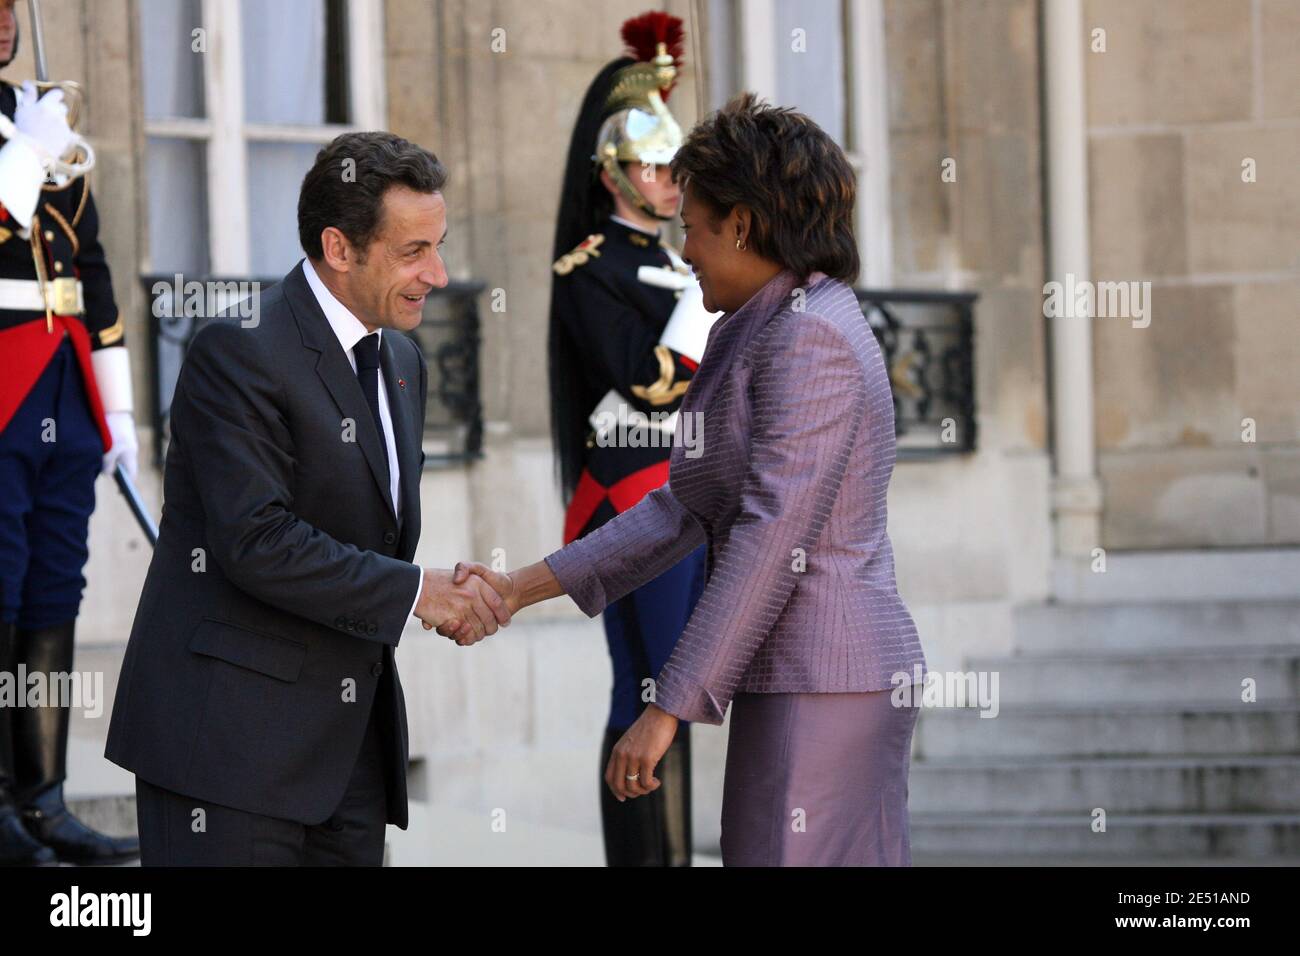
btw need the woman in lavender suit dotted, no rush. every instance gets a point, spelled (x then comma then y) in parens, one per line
(800, 624)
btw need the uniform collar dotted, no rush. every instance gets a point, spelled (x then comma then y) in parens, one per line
(347, 327)
(653, 233)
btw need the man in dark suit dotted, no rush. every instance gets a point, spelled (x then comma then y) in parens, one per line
(259, 704)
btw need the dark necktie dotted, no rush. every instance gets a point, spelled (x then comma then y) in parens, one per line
(366, 352)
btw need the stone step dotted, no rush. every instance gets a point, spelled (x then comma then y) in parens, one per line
(114, 815)
(1118, 730)
(1270, 837)
(1120, 785)
(1089, 628)
(1211, 673)
(1220, 574)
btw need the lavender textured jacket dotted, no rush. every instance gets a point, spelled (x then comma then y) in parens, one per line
(793, 406)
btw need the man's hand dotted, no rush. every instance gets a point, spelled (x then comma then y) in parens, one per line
(501, 584)
(476, 609)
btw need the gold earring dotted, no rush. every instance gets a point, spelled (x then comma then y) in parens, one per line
(740, 245)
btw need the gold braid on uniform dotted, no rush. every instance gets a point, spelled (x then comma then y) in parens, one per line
(663, 391)
(63, 224)
(585, 250)
(81, 205)
(113, 333)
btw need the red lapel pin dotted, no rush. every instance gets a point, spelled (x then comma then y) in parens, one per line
(401, 383)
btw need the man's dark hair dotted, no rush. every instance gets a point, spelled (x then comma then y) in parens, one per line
(793, 177)
(345, 188)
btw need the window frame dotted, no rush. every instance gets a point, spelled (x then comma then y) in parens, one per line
(867, 123)
(227, 135)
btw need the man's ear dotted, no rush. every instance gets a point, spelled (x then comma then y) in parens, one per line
(607, 181)
(336, 250)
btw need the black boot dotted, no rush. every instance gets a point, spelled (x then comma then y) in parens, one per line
(17, 847)
(41, 745)
(654, 830)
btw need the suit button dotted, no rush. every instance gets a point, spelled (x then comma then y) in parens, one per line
(58, 267)
(373, 629)
(390, 538)
(340, 621)
(49, 235)
(377, 669)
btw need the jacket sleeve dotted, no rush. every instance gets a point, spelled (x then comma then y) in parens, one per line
(622, 345)
(808, 394)
(227, 416)
(627, 551)
(103, 320)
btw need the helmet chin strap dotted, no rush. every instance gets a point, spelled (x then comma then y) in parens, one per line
(628, 190)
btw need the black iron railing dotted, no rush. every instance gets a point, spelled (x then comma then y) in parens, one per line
(928, 343)
(449, 338)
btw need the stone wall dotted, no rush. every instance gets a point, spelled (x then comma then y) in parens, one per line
(973, 535)
(1185, 92)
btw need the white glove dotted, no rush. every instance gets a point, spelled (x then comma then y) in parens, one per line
(44, 120)
(687, 331)
(126, 449)
(38, 136)
(112, 367)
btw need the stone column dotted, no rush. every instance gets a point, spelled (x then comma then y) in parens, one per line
(1076, 491)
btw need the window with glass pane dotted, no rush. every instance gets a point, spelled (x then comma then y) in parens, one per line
(173, 84)
(223, 132)
(177, 165)
(810, 66)
(178, 205)
(295, 62)
(275, 172)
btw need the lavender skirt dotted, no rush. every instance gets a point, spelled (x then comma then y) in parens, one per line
(817, 780)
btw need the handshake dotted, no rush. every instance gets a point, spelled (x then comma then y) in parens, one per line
(467, 603)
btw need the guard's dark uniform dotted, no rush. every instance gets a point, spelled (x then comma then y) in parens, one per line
(53, 437)
(617, 320)
(625, 347)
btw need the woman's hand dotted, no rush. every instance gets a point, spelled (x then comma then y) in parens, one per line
(638, 752)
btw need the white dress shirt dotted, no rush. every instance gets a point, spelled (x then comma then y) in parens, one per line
(349, 330)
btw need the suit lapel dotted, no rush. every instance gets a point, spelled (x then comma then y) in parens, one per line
(336, 372)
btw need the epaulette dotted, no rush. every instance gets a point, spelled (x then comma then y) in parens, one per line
(587, 249)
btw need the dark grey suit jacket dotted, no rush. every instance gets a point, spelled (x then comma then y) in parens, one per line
(282, 578)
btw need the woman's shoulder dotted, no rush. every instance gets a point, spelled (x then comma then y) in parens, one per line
(822, 308)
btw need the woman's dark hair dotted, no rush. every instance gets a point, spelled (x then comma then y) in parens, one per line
(585, 205)
(792, 176)
(345, 187)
